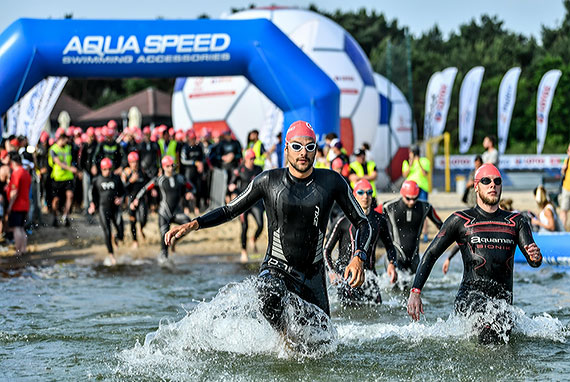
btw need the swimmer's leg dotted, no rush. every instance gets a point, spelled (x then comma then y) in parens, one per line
(273, 295)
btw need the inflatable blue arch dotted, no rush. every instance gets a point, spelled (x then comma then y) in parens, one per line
(31, 50)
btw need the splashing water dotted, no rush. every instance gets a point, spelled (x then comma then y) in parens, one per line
(231, 324)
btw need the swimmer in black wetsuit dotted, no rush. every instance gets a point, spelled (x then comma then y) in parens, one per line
(343, 232)
(244, 175)
(107, 193)
(298, 200)
(487, 237)
(173, 187)
(134, 180)
(406, 216)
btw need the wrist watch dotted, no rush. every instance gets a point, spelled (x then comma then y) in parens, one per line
(361, 255)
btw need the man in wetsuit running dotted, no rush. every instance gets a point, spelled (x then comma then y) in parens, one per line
(406, 216)
(343, 232)
(107, 193)
(243, 175)
(172, 187)
(487, 237)
(298, 200)
(134, 180)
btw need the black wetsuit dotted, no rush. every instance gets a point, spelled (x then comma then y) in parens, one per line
(343, 232)
(487, 242)
(297, 214)
(242, 177)
(172, 190)
(104, 190)
(189, 156)
(132, 187)
(406, 228)
(149, 153)
(111, 150)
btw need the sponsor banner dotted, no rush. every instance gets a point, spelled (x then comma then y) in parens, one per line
(507, 98)
(468, 97)
(544, 98)
(439, 116)
(431, 100)
(506, 162)
(28, 116)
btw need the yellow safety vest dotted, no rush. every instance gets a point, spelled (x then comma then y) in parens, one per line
(416, 172)
(259, 158)
(64, 155)
(359, 170)
(170, 150)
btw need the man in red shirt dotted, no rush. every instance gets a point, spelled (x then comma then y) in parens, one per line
(19, 202)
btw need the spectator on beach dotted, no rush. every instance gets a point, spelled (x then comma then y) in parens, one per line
(469, 195)
(491, 155)
(62, 175)
(19, 202)
(564, 198)
(417, 168)
(547, 220)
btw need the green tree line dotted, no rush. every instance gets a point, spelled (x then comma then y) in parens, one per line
(483, 41)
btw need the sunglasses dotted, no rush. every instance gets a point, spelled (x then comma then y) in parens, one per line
(486, 181)
(310, 147)
(411, 199)
(362, 192)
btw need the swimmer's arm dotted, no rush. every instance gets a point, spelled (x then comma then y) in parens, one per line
(434, 217)
(384, 231)
(251, 195)
(444, 238)
(332, 238)
(526, 243)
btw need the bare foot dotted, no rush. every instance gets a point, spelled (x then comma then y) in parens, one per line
(244, 258)
(253, 244)
(135, 245)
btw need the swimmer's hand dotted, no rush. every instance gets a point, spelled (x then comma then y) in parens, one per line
(415, 306)
(392, 274)
(533, 253)
(445, 266)
(179, 231)
(354, 272)
(334, 278)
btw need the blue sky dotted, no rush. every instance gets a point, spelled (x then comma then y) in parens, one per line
(522, 16)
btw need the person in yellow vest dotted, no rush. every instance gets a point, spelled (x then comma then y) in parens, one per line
(169, 147)
(320, 159)
(417, 168)
(363, 169)
(564, 198)
(62, 176)
(256, 145)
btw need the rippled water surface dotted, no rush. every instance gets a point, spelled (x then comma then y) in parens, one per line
(139, 322)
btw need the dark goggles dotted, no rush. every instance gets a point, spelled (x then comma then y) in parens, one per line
(362, 192)
(412, 199)
(486, 181)
(310, 147)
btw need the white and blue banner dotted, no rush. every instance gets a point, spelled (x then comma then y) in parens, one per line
(468, 97)
(544, 98)
(438, 98)
(506, 103)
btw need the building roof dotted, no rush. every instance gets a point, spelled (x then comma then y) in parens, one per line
(151, 102)
(74, 107)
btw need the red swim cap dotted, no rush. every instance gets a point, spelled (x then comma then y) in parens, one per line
(337, 163)
(167, 161)
(90, 131)
(146, 130)
(191, 134)
(410, 189)
(133, 156)
(362, 184)
(60, 132)
(106, 163)
(179, 136)
(249, 154)
(44, 136)
(300, 129)
(485, 170)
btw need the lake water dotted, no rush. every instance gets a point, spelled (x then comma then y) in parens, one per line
(140, 322)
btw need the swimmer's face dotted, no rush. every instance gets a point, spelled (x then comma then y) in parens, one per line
(168, 170)
(409, 202)
(105, 171)
(303, 159)
(133, 164)
(490, 194)
(364, 197)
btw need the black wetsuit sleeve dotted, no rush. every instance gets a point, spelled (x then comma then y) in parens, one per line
(453, 252)
(384, 233)
(354, 213)
(444, 238)
(121, 191)
(251, 195)
(148, 186)
(433, 216)
(332, 238)
(95, 192)
(525, 238)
